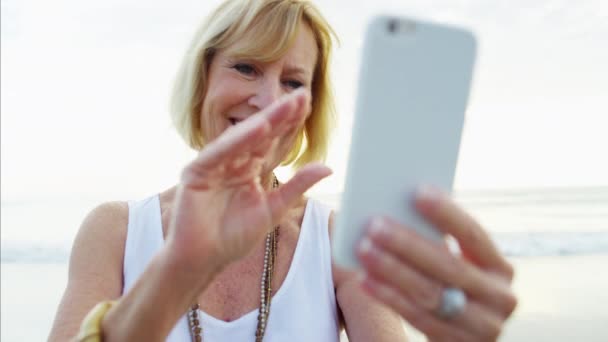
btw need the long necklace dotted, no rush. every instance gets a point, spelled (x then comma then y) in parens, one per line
(270, 255)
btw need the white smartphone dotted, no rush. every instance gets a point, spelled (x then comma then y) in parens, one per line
(413, 91)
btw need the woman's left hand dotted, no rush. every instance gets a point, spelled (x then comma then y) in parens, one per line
(409, 273)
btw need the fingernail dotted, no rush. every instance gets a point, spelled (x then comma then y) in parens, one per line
(377, 227)
(428, 194)
(301, 90)
(367, 283)
(327, 171)
(365, 246)
(361, 276)
(296, 93)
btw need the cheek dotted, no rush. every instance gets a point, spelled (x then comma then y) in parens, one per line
(217, 103)
(212, 124)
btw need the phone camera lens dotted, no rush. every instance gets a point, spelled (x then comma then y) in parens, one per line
(393, 25)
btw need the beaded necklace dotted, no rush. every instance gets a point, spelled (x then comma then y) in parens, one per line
(270, 255)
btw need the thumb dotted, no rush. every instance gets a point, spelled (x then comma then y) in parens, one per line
(281, 199)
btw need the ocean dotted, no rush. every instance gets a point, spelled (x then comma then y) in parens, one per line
(526, 222)
(554, 223)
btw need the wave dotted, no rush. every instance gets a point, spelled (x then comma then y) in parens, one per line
(510, 244)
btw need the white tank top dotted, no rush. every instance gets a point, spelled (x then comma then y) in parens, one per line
(303, 309)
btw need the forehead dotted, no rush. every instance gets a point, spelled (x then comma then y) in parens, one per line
(301, 52)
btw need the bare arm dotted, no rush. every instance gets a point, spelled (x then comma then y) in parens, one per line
(198, 244)
(95, 269)
(95, 275)
(365, 318)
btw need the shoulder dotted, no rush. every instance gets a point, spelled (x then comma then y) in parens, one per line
(107, 219)
(95, 269)
(101, 236)
(108, 212)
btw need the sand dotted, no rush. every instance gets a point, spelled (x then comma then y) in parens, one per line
(561, 299)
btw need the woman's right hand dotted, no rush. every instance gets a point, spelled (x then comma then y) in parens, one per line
(221, 210)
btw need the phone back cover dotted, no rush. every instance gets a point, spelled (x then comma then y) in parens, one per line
(413, 91)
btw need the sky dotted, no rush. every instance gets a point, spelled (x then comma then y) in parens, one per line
(85, 88)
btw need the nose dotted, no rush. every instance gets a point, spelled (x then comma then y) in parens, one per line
(265, 94)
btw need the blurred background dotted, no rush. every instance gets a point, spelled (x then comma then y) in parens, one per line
(84, 110)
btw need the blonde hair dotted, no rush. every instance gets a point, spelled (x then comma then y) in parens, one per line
(268, 28)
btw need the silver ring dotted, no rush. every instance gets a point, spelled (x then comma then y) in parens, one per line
(453, 302)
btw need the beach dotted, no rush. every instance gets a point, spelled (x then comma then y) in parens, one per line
(561, 298)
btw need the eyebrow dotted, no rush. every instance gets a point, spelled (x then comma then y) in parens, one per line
(296, 70)
(290, 69)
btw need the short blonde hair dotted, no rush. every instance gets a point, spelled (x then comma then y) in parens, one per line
(271, 27)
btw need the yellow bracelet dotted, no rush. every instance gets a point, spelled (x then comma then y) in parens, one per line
(90, 329)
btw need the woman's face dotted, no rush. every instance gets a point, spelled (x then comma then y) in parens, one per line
(240, 88)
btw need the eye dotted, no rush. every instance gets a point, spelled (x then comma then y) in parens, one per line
(293, 84)
(245, 69)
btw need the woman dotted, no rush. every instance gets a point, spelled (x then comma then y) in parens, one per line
(229, 253)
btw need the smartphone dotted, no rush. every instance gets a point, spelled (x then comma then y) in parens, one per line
(412, 95)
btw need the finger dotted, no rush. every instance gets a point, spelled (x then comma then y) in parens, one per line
(242, 172)
(213, 158)
(262, 147)
(235, 140)
(474, 242)
(282, 198)
(485, 324)
(406, 280)
(422, 319)
(301, 101)
(437, 262)
(284, 128)
(249, 134)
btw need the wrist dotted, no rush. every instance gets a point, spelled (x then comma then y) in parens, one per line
(151, 308)
(192, 266)
(91, 327)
